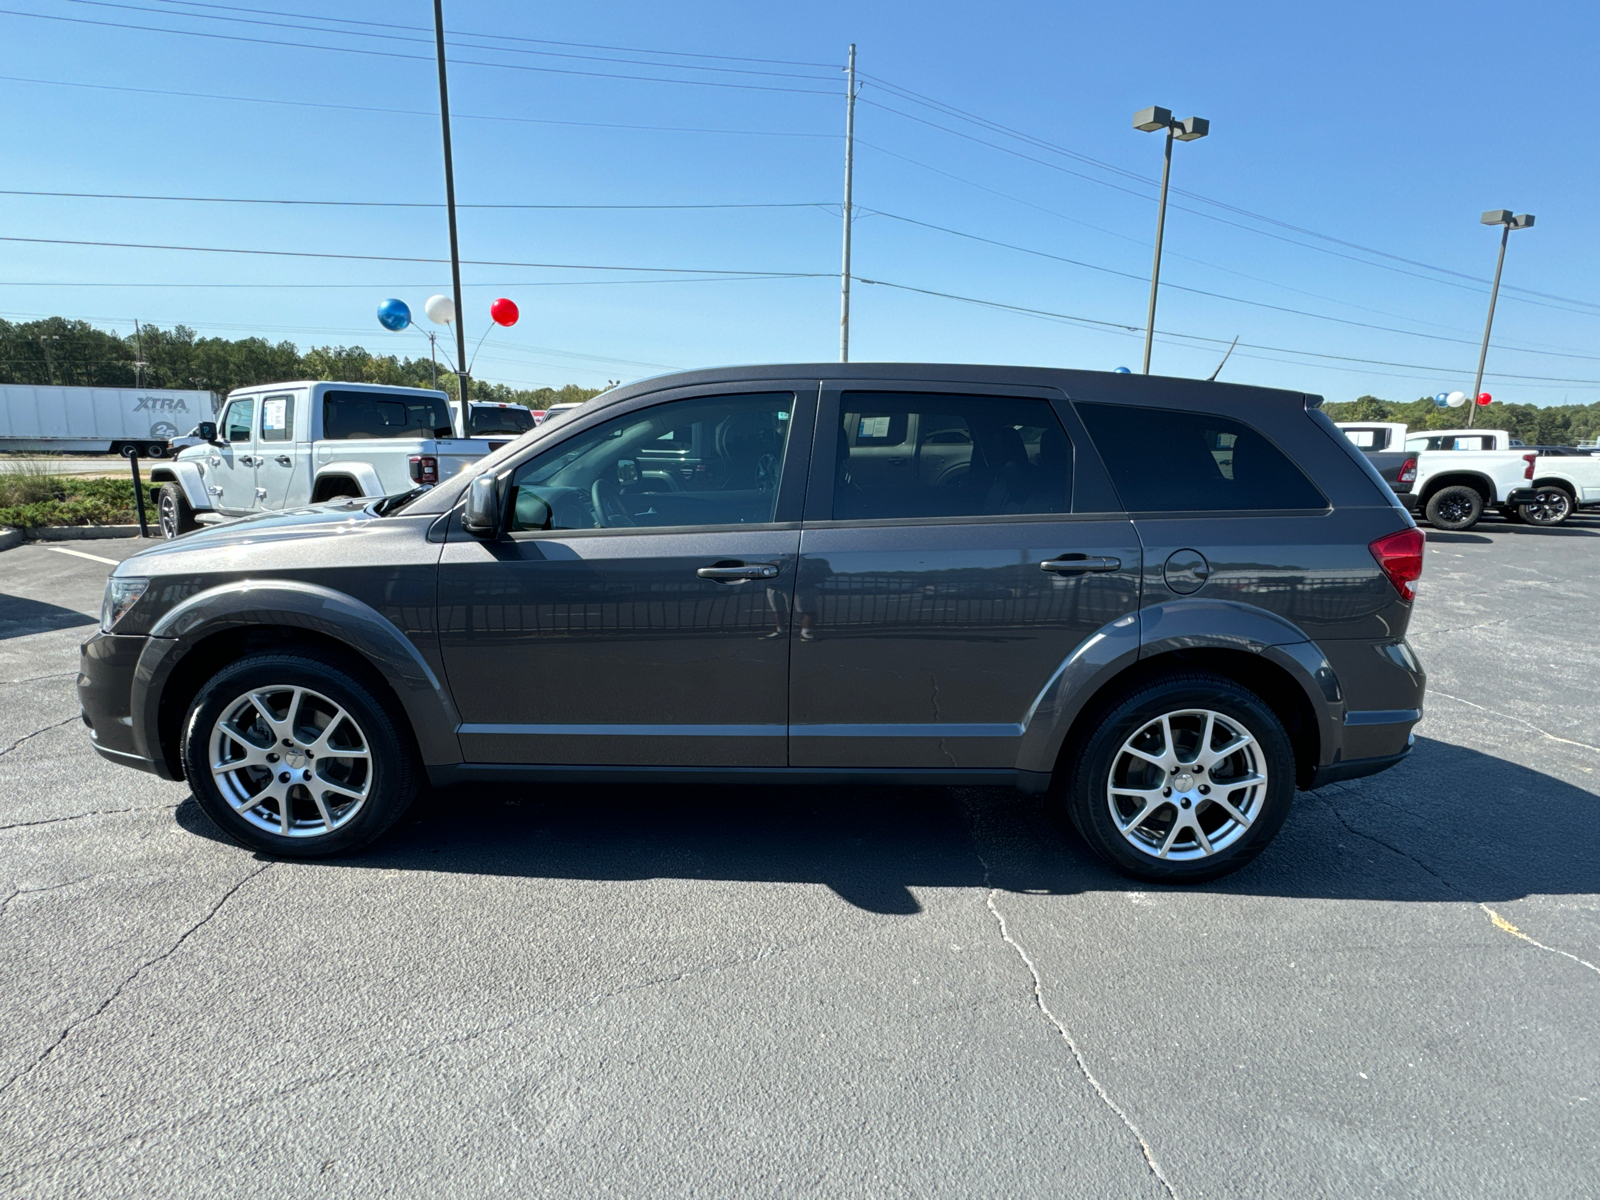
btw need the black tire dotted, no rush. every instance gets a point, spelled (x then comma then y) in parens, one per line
(1090, 783)
(1453, 508)
(392, 774)
(155, 450)
(1510, 513)
(1551, 507)
(174, 513)
(128, 450)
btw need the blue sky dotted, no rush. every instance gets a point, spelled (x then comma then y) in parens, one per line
(1337, 132)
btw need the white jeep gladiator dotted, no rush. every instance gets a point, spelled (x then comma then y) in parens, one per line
(285, 445)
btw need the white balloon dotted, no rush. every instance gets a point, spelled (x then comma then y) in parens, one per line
(1454, 399)
(441, 310)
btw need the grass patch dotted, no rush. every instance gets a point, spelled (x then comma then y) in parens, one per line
(31, 496)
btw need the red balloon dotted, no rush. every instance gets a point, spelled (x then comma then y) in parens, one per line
(504, 312)
(1484, 398)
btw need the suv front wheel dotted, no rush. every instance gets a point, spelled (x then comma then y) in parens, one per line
(1185, 780)
(297, 758)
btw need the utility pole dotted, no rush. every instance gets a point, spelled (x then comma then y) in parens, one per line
(450, 207)
(49, 363)
(849, 174)
(1503, 218)
(138, 366)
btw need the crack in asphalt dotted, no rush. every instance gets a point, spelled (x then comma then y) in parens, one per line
(35, 734)
(5, 902)
(137, 971)
(37, 678)
(1510, 717)
(1060, 1028)
(385, 1065)
(1501, 923)
(99, 812)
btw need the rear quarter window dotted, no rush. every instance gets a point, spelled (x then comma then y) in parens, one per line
(1167, 460)
(352, 415)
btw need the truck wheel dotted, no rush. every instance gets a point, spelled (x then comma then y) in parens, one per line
(155, 450)
(174, 513)
(1185, 780)
(297, 758)
(1551, 506)
(1452, 508)
(128, 450)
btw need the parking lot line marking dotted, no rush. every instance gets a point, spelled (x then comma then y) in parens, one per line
(1501, 923)
(80, 554)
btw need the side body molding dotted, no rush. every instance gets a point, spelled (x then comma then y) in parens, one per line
(186, 474)
(290, 603)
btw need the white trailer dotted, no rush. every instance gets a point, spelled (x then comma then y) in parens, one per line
(109, 420)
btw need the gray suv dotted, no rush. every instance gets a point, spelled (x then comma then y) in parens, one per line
(1163, 603)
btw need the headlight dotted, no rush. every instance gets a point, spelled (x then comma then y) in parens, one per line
(122, 592)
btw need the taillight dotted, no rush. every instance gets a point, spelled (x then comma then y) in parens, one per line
(1400, 556)
(1530, 459)
(1408, 471)
(424, 468)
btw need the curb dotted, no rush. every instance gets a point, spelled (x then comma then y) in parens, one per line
(75, 533)
(9, 537)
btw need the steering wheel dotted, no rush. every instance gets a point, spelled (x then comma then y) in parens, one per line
(606, 496)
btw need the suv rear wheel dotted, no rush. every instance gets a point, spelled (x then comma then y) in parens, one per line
(1185, 780)
(1455, 507)
(296, 758)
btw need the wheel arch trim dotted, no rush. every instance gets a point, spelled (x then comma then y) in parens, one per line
(363, 473)
(187, 476)
(246, 604)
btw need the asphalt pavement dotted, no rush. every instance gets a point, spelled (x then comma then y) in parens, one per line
(649, 991)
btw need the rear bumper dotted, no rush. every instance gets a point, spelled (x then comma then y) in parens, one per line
(1357, 768)
(1521, 496)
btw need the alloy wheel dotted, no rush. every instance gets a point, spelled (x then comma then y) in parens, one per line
(1550, 506)
(167, 515)
(1187, 785)
(290, 761)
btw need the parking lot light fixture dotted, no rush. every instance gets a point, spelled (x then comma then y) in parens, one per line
(1504, 218)
(1190, 129)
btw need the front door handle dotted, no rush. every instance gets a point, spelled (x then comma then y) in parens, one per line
(1078, 564)
(734, 571)
(283, 460)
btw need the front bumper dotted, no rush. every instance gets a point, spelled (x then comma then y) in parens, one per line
(107, 667)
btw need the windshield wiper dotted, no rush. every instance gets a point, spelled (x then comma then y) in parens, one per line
(394, 503)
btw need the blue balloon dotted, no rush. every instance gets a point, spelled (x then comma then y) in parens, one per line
(393, 315)
(1442, 399)
(1122, 371)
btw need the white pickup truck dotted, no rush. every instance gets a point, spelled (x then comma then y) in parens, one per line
(1460, 473)
(284, 445)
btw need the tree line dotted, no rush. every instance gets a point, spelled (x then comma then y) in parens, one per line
(58, 351)
(1556, 425)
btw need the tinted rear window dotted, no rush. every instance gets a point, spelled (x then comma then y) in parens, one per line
(501, 420)
(383, 415)
(1163, 460)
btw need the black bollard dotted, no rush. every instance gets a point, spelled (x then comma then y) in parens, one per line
(138, 494)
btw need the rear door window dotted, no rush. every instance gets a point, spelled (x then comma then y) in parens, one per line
(277, 418)
(903, 454)
(1165, 460)
(348, 415)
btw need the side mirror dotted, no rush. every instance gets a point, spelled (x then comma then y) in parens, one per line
(206, 431)
(481, 517)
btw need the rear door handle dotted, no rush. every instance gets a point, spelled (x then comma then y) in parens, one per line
(246, 460)
(283, 460)
(1078, 564)
(734, 571)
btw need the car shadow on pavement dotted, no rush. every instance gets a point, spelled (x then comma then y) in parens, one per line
(20, 616)
(1447, 824)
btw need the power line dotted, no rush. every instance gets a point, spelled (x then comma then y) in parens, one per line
(420, 286)
(782, 62)
(1299, 312)
(231, 37)
(1117, 325)
(415, 259)
(1030, 139)
(407, 112)
(407, 203)
(452, 39)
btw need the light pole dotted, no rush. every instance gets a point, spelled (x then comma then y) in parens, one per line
(1188, 130)
(1503, 218)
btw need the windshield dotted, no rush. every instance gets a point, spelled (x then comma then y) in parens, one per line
(511, 419)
